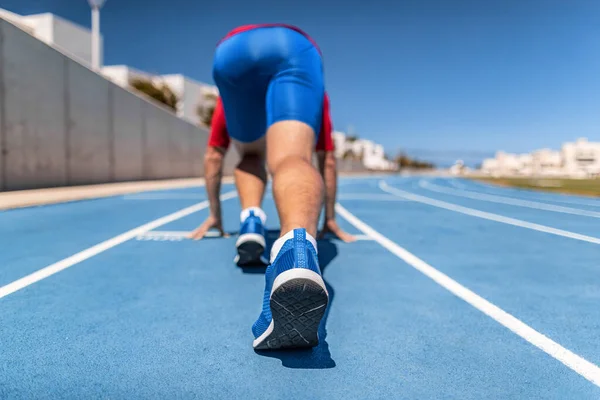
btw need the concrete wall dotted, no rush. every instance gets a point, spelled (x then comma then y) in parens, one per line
(34, 127)
(62, 124)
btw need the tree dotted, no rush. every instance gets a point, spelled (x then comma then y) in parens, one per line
(160, 92)
(206, 108)
(348, 155)
(404, 161)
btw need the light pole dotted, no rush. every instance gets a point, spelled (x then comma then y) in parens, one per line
(96, 5)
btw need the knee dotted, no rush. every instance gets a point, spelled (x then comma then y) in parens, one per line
(214, 154)
(290, 161)
(288, 141)
(330, 162)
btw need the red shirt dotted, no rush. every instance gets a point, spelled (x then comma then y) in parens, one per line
(245, 28)
(219, 137)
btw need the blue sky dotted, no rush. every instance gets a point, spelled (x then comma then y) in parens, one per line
(442, 78)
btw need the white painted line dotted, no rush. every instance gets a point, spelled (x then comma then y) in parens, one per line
(171, 235)
(486, 215)
(363, 196)
(164, 196)
(101, 247)
(508, 200)
(457, 185)
(369, 196)
(167, 233)
(145, 238)
(589, 371)
(363, 237)
(162, 236)
(555, 197)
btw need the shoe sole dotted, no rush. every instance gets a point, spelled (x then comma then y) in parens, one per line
(250, 249)
(297, 307)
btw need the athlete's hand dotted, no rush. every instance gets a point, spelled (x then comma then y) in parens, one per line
(332, 227)
(210, 223)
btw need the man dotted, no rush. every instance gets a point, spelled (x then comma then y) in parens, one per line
(270, 79)
(218, 144)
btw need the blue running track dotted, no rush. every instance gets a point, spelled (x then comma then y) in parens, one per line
(455, 290)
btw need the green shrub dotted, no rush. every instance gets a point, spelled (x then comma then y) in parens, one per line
(159, 92)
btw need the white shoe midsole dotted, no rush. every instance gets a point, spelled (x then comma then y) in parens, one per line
(298, 273)
(251, 237)
(294, 273)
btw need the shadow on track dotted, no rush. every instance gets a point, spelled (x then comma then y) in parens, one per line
(318, 357)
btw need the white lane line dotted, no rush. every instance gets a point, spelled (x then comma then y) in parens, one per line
(164, 196)
(363, 237)
(363, 197)
(369, 196)
(589, 371)
(168, 233)
(101, 247)
(168, 236)
(171, 235)
(539, 195)
(486, 215)
(508, 200)
(457, 185)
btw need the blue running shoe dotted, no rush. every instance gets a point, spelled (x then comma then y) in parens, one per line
(295, 297)
(251, 243)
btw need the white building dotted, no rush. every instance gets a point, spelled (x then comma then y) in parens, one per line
(581, 158)
(122, 75)
(577, 160)
(508, 164)
(339, 141)
(71, 39)
(371, 154)
(458, 167)
(190, 94)
(489, 166)
(546, 162)
(374, 157)
(76, 42)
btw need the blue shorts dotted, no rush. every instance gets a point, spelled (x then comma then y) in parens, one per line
(266, 75)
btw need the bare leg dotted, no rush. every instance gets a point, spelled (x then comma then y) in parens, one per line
(297, 185)
(250, 180)
(251, 174)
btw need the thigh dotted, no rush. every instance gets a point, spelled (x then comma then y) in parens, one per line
(242, 90)
(296, 91)
(244, 112)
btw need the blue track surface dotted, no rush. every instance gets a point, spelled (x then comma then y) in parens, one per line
(157, 316)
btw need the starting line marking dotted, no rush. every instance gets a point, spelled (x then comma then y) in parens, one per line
(170, 236)
(177, 236)
(363, 237)
(164, 196)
